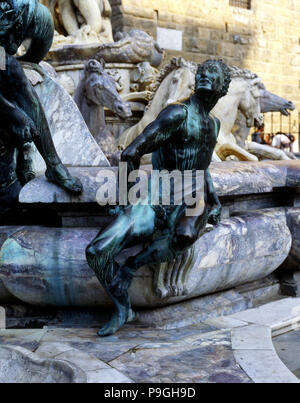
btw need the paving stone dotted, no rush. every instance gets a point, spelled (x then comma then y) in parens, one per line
(275, 314)
(253, 337)
(225, 322)
(104, 351)
(264, 366)
(26, 338)
(206, 361)
(52, 350)
(107, 376)
(83, 360)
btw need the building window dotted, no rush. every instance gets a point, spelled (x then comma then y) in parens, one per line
(241, 3)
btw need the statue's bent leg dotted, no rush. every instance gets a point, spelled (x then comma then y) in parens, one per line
(100, 256)
(175, 242)
(186, 232)
(56, 171)
(160, 251)
(126, 230)
(25, 97)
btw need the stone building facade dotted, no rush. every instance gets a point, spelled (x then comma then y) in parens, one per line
(264, 38)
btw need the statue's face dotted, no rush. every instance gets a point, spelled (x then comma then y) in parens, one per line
(210, 78)
(7, 23)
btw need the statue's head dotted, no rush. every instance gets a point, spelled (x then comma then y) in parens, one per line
(11, 21)
(26, 19)
(213, 76)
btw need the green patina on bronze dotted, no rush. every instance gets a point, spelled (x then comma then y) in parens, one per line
(183, 137)
(22, 117)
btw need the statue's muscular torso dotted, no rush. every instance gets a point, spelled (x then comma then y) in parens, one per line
(192, 141)
(182, 137)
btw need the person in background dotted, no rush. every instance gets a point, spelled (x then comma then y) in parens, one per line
(268, 139)
(284, 141)
(258, 135)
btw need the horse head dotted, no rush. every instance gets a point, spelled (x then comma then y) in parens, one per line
(100, 90)
(250, 102)
(273, 103)
(181, 85)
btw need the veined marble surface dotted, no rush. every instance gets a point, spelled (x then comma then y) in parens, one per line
(47, 266)
(230, 179)
(73, 141)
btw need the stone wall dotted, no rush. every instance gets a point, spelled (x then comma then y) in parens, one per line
(265, 39)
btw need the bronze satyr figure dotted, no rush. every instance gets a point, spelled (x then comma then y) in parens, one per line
(183, 138)
(21, 114)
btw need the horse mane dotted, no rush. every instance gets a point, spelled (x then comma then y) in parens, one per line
(175, 64)
(237, 72)
(180, 62)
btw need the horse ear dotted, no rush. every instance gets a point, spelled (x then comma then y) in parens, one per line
(136, 75)
(256, 81)
(102, 62)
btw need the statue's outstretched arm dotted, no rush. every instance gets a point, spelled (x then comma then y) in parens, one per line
(212, 197)
(213, 200)
(154, 135)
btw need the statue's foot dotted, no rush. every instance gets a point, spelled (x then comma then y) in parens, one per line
(61, 176)
(131, 316)
(122, 316)
(25, 176)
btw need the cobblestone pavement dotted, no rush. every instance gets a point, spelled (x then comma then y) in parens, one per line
(196, 354)
(237, 348)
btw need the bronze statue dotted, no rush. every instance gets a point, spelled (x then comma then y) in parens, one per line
(22, 117)
(183, 137)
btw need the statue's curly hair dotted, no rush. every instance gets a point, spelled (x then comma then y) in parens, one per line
(225, 69)
(11, 14)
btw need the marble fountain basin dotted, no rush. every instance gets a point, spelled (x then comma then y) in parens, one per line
(18, 365)
(47, 266)
(44, 266)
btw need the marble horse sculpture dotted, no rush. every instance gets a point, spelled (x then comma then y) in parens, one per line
(96, 91)
(182, 137)
(22, 117)
(269, 102)
(176, 82)
(244, 96)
